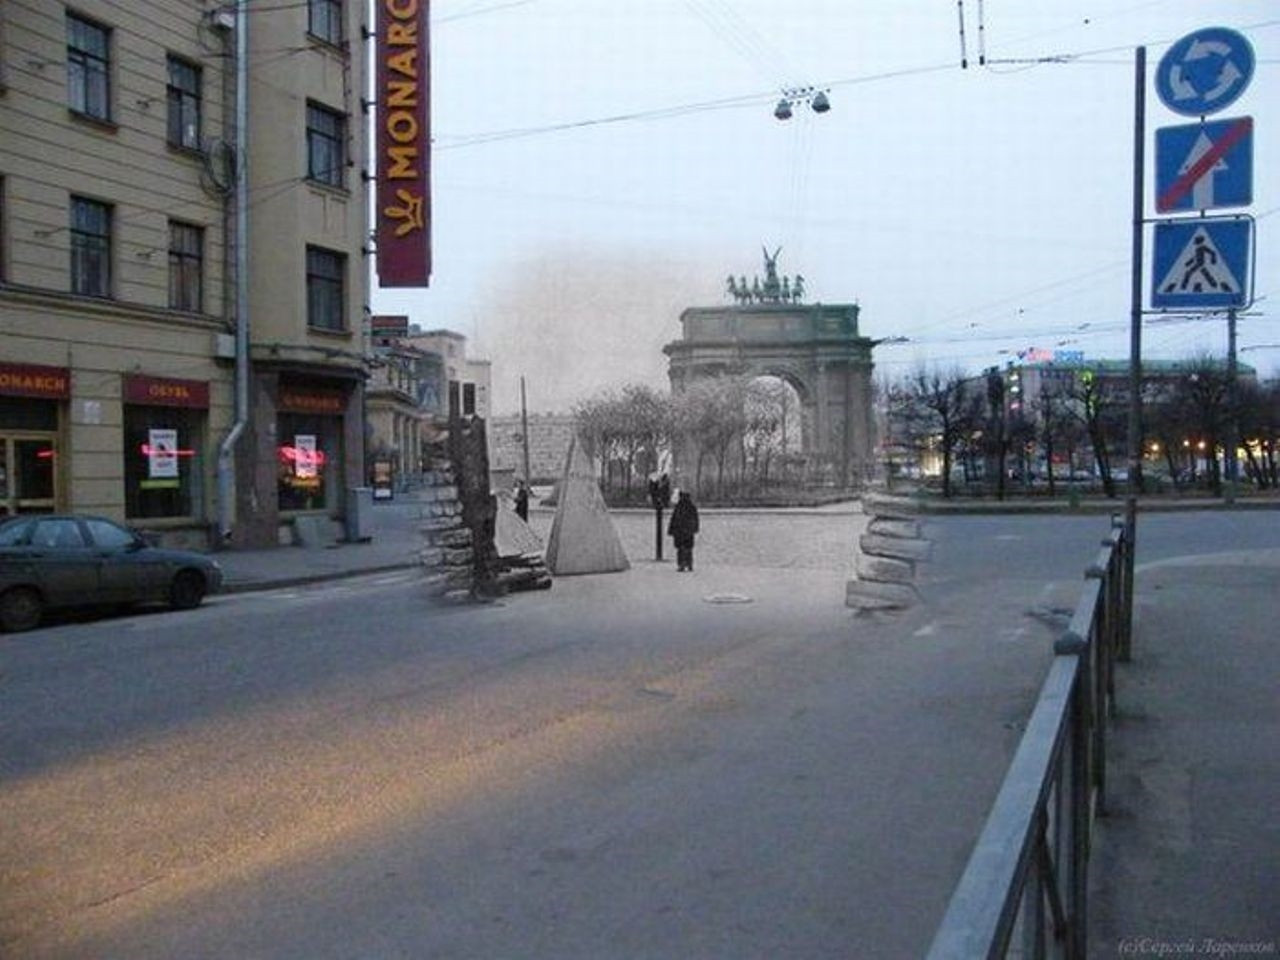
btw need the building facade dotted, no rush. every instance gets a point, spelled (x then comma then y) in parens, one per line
(118, 166)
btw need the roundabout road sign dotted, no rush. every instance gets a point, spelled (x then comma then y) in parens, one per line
(1205, 71)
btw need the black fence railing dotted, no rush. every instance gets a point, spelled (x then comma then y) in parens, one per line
(1024, 891)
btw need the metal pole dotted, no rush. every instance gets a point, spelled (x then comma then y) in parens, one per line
(226, 477)
(524, 431)
(1233, 433)
(1135, 302)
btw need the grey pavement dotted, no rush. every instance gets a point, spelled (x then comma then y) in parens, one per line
(1188, 857)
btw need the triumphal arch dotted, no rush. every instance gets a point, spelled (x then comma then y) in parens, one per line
(815, 347)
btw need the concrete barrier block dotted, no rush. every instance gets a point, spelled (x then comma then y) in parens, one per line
(458, 556)
(894, 527)
(897, 547)
(431, 557)
(885, 569)
(870, 595)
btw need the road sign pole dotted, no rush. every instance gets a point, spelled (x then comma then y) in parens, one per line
(1233, 434)
(1135, 289)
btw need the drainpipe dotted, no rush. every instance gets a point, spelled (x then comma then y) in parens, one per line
(226, 466)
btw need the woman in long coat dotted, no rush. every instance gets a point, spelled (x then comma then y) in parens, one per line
(682, 528)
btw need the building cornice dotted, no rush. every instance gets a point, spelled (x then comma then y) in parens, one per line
(103, 307)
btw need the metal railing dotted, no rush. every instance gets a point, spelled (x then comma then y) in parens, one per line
(1024, 891)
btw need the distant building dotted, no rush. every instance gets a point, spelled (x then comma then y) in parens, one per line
(467, 381)
(1026, 383)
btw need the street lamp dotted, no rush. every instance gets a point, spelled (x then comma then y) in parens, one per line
(817, 99)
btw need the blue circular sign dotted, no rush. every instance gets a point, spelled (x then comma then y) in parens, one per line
(1205, 71)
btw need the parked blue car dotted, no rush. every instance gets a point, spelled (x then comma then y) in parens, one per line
(58, 561)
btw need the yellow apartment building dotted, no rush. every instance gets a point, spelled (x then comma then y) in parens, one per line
(132, 350)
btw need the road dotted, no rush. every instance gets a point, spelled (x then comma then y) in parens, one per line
(646, 764)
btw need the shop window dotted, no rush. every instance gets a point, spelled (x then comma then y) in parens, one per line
(184, 104)
(326, 282)
(90, 247)
(308, 468)
(88, 68)
(186, 266)
(326, 145)
(324, 20)
(162, 461)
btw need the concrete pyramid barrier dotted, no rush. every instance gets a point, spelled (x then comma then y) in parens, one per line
(583, 538)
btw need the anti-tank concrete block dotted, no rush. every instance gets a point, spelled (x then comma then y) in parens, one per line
(896, 547)
(886, 569)
(457, 537)
(870, 595)
(894, 527)
(456, 557)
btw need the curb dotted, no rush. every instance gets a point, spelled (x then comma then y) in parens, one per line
(254, 586)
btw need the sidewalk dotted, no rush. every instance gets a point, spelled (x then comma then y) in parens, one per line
(396, 539)
(1187, 859)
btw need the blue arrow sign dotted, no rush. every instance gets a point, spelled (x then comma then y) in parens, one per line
(1205, 71)
(1199, 264)
(1203, 166)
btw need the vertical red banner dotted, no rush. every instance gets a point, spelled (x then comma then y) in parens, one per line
(402, 211)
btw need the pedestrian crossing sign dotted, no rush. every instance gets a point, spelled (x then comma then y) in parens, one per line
(1202, 264)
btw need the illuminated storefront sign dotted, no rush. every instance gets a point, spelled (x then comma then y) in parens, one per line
(166, 392)
(292, 400)
(403, 210)
(29, 380)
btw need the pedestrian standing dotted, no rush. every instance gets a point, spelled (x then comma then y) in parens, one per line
(522, 501)
(683, 527)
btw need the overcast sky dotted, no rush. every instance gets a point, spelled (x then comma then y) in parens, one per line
(975, 212)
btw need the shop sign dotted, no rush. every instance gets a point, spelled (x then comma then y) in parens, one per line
(389, 325)
(383, 479)
(292, 400)
(305, 460)
(29, 380)
(403, 93)
(166, 392)
(162, 453)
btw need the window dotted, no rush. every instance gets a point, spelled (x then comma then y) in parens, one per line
(90, 247)
(324, 20)
(326, 273)
(108, 535)
(184, 104)
(162, 461)
(468, 399)
(186, 267)
(88, 61)
(326, 145)
(309, 469)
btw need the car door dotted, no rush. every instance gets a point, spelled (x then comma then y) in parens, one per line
(127, 571)
(63, 562)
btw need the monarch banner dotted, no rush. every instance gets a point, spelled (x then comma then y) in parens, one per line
(402, 213)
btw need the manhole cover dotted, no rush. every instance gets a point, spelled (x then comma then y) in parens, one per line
(727, 598)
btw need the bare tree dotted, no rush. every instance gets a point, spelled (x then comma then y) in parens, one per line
(940, 408)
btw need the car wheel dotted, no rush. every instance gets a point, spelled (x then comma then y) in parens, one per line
(20, 609)
(187, 590)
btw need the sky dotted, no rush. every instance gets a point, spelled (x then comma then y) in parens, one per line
(600, 165)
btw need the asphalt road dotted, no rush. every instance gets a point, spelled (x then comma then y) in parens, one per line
(646, 764)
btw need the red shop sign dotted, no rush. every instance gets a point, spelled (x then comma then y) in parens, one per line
(292, 400)
(166, 392)
(29, 380)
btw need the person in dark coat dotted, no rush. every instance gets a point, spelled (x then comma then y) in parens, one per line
(682, 528)
(522, 501)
